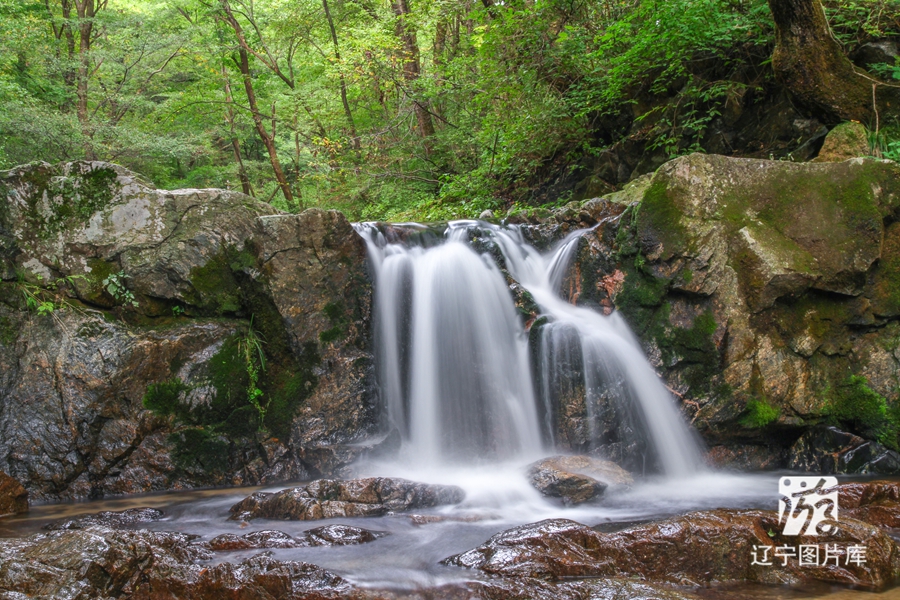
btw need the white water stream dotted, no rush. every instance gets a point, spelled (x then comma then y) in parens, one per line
(452, 353)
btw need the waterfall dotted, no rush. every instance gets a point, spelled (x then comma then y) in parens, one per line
(453, 354)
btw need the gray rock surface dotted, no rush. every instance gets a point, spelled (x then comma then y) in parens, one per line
(147, 287)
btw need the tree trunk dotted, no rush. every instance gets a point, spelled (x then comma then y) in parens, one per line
(411, 68)
(267, 140)
(235, 143)
(812, 65)
(86, 11)
(337, 57)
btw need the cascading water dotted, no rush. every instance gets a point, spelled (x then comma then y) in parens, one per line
(453, 356)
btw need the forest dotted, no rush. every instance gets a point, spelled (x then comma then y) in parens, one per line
(415, 109)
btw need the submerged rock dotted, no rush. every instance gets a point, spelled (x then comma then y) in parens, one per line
(111, 519)
(326, 499)
(697, 548)
(13, 496)
(329, 535)
(576, 479)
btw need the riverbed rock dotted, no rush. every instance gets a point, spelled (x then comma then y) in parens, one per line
(576, 479)
(327, 499)
(143, 287)
(875, 502)
(109, 519)
(99, 562)
(695, 549)
(328, 535)
(13, 496)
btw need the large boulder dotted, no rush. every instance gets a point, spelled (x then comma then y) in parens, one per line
(115, 297)
(697, 548)
(326, 499)
(762, 291)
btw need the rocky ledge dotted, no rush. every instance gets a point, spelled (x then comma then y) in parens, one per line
(326, 499)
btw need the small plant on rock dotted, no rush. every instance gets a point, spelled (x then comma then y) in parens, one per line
(115, 285)
(251, 349)
(759, 413)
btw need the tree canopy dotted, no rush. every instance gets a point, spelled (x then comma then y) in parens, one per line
(388, 109)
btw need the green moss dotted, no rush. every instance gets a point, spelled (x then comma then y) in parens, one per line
(71, 199)
(856, 406)
(659, 219)
(759, 413)
(164, 398)
(215, 287)
(8, 332)
(337, 315)
(331, 335)
(200, 448)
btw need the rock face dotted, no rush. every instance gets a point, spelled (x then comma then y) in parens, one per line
(576, 479)
(697, 548)
(326, 499)
(762, 291)
(114, 295)
(13, 496)
(829, 450)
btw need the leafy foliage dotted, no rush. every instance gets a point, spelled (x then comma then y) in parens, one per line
(864, 411)
(516, 92)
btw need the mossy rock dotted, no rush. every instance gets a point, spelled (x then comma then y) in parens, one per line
(847, 140)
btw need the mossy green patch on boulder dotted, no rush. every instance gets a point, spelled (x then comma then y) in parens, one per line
(847, 140)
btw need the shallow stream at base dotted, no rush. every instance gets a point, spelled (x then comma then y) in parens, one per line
(497, 498)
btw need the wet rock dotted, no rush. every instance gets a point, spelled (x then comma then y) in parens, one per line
(536, 589)
(748, 457)
(254, 540)
(325, 499)
(576, 479)
(200, 265)
(95, 562)
(341, 535)
(829, 450)
(99, 562)
(697, 548)
(13, 496)
(110, 519)
(875, 502)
